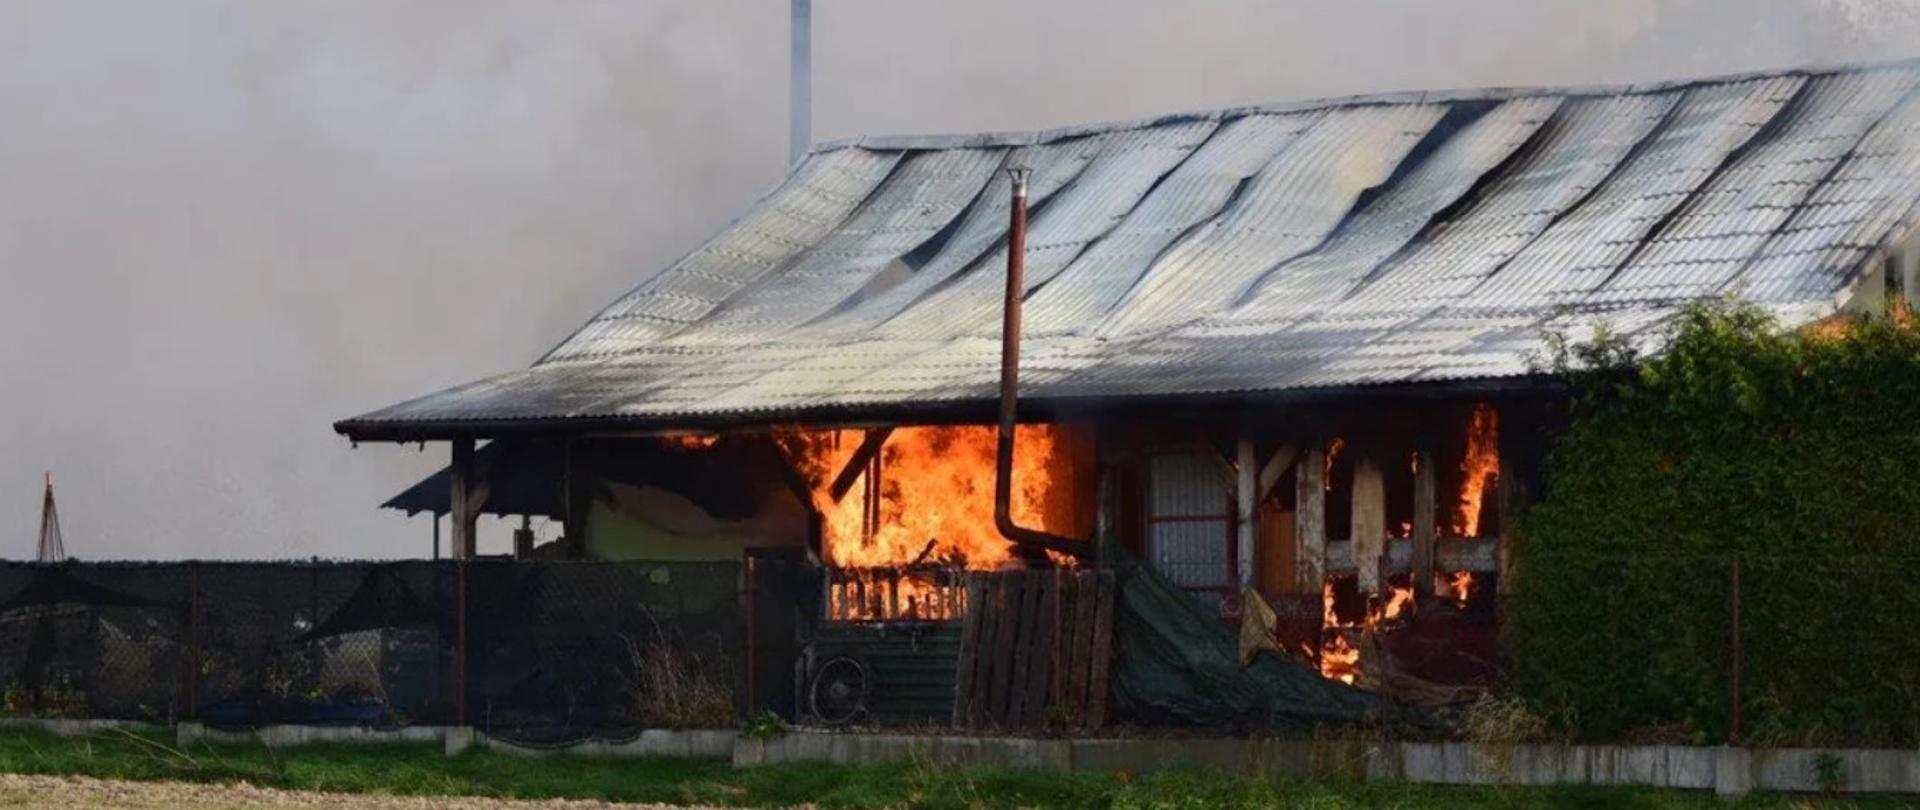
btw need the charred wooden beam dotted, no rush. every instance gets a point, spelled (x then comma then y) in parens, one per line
(1425, 521)
(857, 464)
(1475, 554)
(1246, 479)
(1521, 447)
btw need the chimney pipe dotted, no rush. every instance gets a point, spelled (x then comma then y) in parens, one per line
(800, 83)
(1010, 386)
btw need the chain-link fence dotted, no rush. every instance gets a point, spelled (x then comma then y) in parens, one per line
(537, 650)
(1762, 649)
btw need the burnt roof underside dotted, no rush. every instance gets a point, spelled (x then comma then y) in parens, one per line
(1386, 245)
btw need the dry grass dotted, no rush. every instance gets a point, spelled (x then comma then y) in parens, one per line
(1498, 721)
(673, 688)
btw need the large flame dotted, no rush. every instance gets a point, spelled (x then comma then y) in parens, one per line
(931, 508)
(1339, 658)
(1482, 462)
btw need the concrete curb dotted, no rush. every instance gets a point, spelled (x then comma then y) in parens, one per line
(1726, 771)
(74, 727)
(289, 736)
(714, 744)
(710, 744)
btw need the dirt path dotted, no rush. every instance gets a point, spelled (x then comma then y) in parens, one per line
(81, 793)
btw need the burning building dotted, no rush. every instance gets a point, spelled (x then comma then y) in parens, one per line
(1279, 350)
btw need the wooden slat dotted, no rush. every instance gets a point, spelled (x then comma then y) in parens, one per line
(1026, 623)
(1006, 632)
(1033, 713)
(1086, 592)
(1101, 652)
(1425, 522)
(990, 595)
(1062, 650)
(969, 657)
(1310, 520)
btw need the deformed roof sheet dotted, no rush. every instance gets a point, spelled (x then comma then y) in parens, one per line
(1379, 240)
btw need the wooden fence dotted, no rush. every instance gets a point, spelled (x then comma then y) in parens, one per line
(1034, 650)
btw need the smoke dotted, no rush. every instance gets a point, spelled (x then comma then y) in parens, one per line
(226, 223)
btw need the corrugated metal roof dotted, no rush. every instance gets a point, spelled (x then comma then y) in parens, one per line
(1347, 242)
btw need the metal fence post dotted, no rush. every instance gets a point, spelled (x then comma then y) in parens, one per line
(460, 643)
(753, 635)
(1734, 666)
(193, 640)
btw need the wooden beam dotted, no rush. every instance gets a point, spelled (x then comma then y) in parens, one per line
(1106, 517)
(1519, 448)
(1310, 520)
(1369, 521)
(1425, 520)
(1275, 467)
(466, 512)
(1246, 478)
(1476, 554)
(857, 464)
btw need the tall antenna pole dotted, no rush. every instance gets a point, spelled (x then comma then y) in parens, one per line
(800, 83)
(52, 549)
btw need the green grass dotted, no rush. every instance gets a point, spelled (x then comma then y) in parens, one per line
(423, 770)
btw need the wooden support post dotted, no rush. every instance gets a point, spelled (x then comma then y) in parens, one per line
(466, 514)
(1247, 481)
(1369, 521)
(573, 503)
(1106, 518)
(1310, 519)
(1518, 450)
(523, 539)
(1425, 520)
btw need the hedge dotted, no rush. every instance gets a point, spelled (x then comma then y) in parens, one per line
(1796, 453)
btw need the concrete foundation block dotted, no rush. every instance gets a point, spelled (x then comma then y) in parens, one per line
(1732, 772)
(714, 744)
(455, 740)
(748, 753)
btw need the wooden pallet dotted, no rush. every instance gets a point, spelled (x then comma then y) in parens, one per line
(1034, 650)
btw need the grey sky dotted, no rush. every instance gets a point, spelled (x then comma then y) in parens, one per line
(225, 224)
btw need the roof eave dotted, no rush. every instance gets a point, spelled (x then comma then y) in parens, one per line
(964, 411)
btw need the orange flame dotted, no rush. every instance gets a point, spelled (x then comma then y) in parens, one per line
(1339, 658)
(690, 441)
(932, 507)
(1460, 586)
(1333, 454)
(1481, 463)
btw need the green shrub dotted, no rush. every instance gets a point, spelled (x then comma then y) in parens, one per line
(1794, 452)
